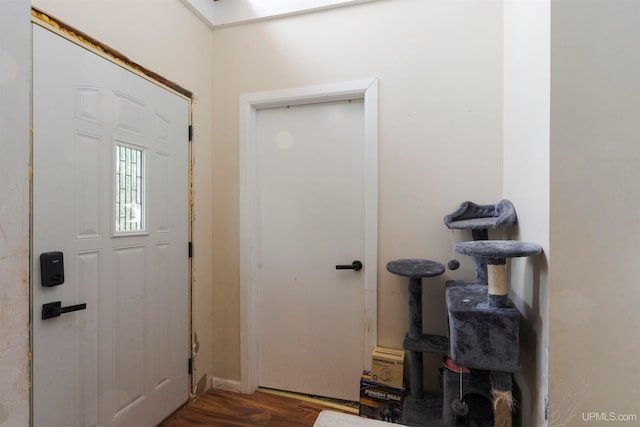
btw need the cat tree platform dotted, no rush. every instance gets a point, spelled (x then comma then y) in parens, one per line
(420, 409)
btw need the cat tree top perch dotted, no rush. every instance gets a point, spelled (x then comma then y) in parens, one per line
(477, 217)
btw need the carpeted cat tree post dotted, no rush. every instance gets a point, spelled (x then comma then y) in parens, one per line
(461, 384)
(420, 409)
(484, 323)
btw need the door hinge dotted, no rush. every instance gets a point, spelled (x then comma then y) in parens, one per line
(190, 368)
(190, 249)
(190, 132)
(546, 408)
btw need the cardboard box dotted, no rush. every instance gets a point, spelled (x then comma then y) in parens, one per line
(380, 402)
(387, 366)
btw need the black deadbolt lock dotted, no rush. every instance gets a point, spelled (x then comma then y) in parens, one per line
(52, 268)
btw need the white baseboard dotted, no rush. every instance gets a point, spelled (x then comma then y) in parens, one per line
(225, 384)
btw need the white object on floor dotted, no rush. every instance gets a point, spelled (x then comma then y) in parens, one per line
(339, 419)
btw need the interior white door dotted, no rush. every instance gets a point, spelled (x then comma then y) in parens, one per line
(311, 184)
(110, 192)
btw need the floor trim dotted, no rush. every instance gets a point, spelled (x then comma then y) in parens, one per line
(331, 403)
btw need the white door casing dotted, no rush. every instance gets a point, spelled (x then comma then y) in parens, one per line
(123, 360)
(250, 216)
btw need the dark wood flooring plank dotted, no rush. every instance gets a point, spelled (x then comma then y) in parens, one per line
(218, 408)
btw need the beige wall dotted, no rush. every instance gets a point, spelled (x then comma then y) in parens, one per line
(526, 184)
(15, 89)
(594, 331)
(439, 66)
(165, 37)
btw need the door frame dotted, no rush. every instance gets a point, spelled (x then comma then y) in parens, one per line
(250, 103)
(85, 41)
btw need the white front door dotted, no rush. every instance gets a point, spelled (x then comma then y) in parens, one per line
(110, 196)
(311, 202)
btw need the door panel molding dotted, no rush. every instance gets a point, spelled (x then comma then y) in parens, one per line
(367, 90)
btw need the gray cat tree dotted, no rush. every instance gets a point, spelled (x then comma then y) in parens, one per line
(481, 352)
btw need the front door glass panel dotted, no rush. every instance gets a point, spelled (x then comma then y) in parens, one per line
(129, 188)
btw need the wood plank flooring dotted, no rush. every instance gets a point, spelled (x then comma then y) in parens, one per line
(218, 408)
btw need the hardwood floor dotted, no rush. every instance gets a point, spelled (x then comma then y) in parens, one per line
(219, 408)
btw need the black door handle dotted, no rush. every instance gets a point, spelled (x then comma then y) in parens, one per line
(55, 309)
(355, 265)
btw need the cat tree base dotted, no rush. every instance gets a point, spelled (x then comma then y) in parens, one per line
(424, 411)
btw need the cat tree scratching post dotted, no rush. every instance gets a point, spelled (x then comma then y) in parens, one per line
(484, 323)
(415, 342)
